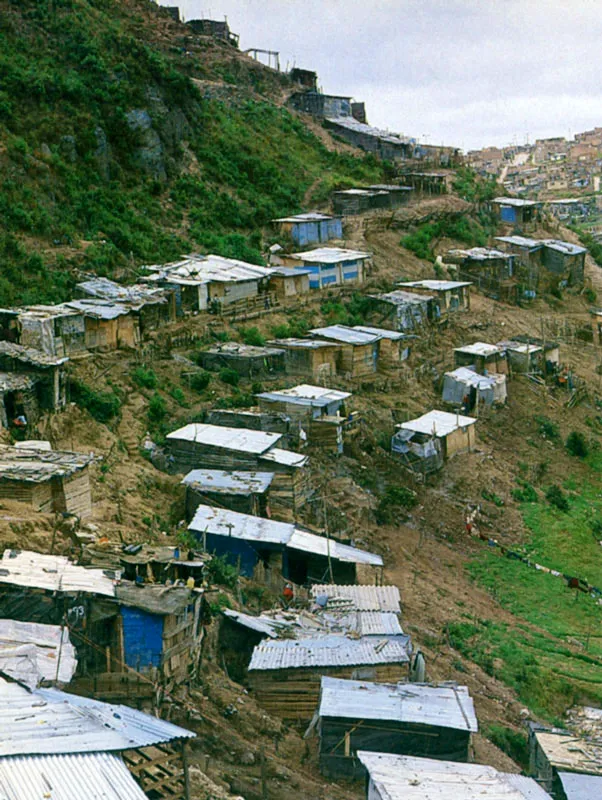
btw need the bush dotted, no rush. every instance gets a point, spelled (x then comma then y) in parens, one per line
(229, 376)
(238, 400)
(556, 497)
(252, 336)
(157, 408)
(526, 494)
(103, 406)
(200, 381)
(576, 444)
(219, 570)
(590, 295)
(178, 395)
(547, 428)
(513, 743)
(145, 378)
(394, 503)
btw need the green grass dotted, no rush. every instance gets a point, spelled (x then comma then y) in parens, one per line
(563, 653)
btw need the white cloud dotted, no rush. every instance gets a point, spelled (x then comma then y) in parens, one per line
(466, 72)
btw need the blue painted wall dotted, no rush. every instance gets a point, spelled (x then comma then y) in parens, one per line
(508, 214)
(235, 549)
(142, 638)
(304, 233)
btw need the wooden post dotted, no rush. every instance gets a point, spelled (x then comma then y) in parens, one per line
(185, 770)
(264, 788)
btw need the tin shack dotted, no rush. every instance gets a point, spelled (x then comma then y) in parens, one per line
(395, 777)
(248, 360)
(286, 283)
(492, 271)
(278, 551)
(310, 228)
(55, 330)
(247, 492)
(154, 307)
(452, 295)
(482, 358)
(423, 444)
(108, 325)
(406, 311)
(393, 347)
(518, 212)
(464, 382)
(331, 266)
(358, 354)
(43, 379)
(413, 719)
(285, 674)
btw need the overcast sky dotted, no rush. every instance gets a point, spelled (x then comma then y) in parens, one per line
(464, 72)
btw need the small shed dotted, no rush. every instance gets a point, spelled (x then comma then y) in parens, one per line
(310, 228)
(395, 777)
(330, 265)
(61, 744)
(523, 357)
(355, 201)
(253, 420)
(55, 330)
(515, 211)
(358, 356)
(153, 306)
(406, 311)
(492, 271)
(395, 195)
(565, 260)
(278, 551)
(309, 358)
(47, 480)
(286, 282)
(108, 325)
(428, 182)
(46, 374)
(482, 358)
(452, 295)
(424, 443)
(393, 347)
(249, 361)
(285, 674)
(464, 383)
(413, 719)
(247, 492)
(567, 762)
(315, 409)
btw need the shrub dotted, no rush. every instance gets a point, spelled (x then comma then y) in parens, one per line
(590, 295)
(178, 395)
(200, 381)
(513, 743)
(157, 408)
(394, 503)
(547, 428)
(145, 378)
(526, 494)
(103, 406)
(576, 444)
(556, 497)
(229, 376)
(238, 400)
(219, 570)
(252, 336)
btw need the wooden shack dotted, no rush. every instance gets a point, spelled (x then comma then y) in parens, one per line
(313, 359)
(406, 311)
(47, 480)
(482, 358)
(452, 295)
(44, 375)
(246, 492)
(393, 346)
(287, 283)
(55, 330)
(108, 325)
(567, 762)
(424, 443)
(516, 211)
(358, 354)
(285, 674)
(154, 307)
(415, 719)
(491, 271)
(410, 778)
(274, 551)
(311, 227)
(249, 361)
(255, 420)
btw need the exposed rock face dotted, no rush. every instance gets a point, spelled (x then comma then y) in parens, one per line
(149, 154)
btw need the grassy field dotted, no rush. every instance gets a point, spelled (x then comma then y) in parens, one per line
(553, 656)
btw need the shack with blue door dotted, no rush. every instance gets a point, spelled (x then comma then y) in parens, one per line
(330, 266)
(310, 228)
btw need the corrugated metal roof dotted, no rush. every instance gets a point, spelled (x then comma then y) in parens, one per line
(99, 309)
(93, 776)
(568, 248)
(53, 573)
(434, 285)
(581, 787)
(521, 241)
(444, 705)
(46, 721)
(206, 269)
(479, 253)
(305, 394)
(341, 333)
(438, 423)
(400, 298)
(308, 216)
(320, 545)
(29, 355)
(241, 439)
(513, 201)
(218, 480)
(222, 522)
(359, 598)
(330, 255)
(369, 130)
(520, 347)
(330, 651)
(374, 623)
(291, 272)
(472, 378)
(303, 344)
(261, 624)
(286, 458)
(408, 778)
(382, 333)
(31, 652)
(39, 465)
(136, 295)
(479, 349)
